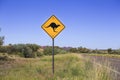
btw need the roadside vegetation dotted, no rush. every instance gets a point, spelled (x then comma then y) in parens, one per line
(34, 50)
(67, 67)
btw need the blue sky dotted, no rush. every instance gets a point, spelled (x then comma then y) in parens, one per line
(89, 23)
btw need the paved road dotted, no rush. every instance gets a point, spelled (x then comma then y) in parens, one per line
(109, 62)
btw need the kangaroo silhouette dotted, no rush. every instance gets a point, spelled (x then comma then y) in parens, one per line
(53, 26)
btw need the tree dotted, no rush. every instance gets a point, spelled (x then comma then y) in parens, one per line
(28, 53)
(34, 47)
(3, 49)
(73, 50)
(83, 50)
(109, 50)
(1, 39)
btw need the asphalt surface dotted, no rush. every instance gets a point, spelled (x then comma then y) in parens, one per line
(109, 62)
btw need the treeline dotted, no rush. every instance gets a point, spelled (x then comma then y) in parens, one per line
(79, 50)
(27, 50)
(23, 50)
(30, 50)
(97, 51)
(34, 50)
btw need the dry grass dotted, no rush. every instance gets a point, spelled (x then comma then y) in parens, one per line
(107, 55)
(67, 67)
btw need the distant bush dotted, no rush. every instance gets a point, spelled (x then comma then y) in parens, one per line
(39, 54)
(47, 51)
(23, 50)
(83, 50)
(61, 51)
(57, 50)
(109, 51)
(116, 51)
(28, 53)
(73, 50)
(34, 47)
(3, 49)
(80, 50)
(1, 40)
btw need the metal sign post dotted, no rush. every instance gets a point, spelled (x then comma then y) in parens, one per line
(53, 55)
(53, 26)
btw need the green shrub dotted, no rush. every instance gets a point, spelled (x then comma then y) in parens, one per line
(73, 50)
(48, 51)
(61, 51)
(39, 54)
(110, 51)
(28, 53)
(23, 50)
(3, 49)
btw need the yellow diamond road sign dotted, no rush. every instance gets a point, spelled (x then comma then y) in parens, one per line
(53, 26)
